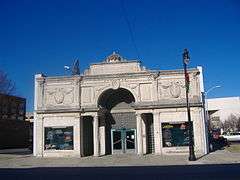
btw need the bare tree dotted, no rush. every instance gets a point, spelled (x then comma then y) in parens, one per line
(238, 124)
(6, 85)
(232, 123)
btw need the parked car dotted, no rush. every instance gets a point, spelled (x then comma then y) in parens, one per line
(216, 141)
(231, 136)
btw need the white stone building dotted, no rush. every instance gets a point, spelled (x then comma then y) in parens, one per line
(220, 109)
(117, 106)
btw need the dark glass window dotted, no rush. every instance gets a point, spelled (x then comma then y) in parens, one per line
(175, 134)
(59, 138)
(117, 140)
(130, 139)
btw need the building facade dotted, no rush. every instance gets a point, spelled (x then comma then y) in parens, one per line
(220, 109)
(115, 107)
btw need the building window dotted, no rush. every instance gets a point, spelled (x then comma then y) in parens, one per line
(175, 134)
(59, 138)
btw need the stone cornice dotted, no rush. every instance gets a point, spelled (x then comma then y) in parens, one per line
(63, 78)
(136, 106)
(122, 75)
(120, 62)
(140, 74)
(47, 111)
(178, 71)
(164, 106)
(134, 74)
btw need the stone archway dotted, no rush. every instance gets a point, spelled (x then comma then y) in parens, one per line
(119, 117)
(112, 97)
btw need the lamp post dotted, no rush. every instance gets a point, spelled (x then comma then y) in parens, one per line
(206, 101)
(186, 59)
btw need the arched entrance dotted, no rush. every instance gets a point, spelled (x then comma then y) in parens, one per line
(119, 120)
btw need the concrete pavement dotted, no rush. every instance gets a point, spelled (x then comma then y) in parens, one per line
(28, 161)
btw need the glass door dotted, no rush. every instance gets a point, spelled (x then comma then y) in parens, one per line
(130, 141)
(123, 141)
(117, 140)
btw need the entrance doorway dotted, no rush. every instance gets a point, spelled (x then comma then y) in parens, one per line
(123, 141)
(87, 136)
(119, 120)
(148, 120)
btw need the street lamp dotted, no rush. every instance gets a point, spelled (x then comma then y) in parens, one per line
(210, 89)
(186, 59)
(206, 101)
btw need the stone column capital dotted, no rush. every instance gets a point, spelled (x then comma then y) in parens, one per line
(156, 113)
(138, 114)
(95, 116)
(78, 117)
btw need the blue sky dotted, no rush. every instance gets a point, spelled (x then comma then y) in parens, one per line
(43, 36)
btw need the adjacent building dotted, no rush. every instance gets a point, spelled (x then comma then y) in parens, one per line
(115, 107)
(220, 109)
(14, 130)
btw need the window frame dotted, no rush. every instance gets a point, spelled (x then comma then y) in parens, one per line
(58, 128)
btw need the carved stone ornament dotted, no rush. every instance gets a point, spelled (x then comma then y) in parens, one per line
(133, 86)
(100, 88)
(171, 89)
(59, 94)
(153, 76)
(116, 84)
(175, 89)
(114, 57)
(41, 82)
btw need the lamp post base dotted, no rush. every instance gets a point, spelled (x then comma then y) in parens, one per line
(192, 157)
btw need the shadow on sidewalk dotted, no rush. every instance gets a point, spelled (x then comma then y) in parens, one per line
(206, 172)
(24, 151)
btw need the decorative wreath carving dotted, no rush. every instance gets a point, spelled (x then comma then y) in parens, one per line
(174, 89)
(59, 94)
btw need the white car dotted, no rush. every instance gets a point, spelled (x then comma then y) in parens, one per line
(232, 136)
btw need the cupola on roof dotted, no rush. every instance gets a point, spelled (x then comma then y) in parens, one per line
(114, 57)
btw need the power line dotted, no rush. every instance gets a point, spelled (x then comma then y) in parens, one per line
(129, 28)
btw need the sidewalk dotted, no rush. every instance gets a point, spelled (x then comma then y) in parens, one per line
(29, 161)
(15, 151)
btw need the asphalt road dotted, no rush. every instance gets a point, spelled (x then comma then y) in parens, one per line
(206, 172)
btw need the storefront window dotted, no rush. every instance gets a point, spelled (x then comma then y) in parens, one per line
(59, 138)
(175, 134)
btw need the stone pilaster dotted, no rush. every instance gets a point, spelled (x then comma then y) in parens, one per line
(139, 134)
(95, 135)
(39, 136)
(102, 137)
(77, 131)
(144, 134)
(157, 133)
